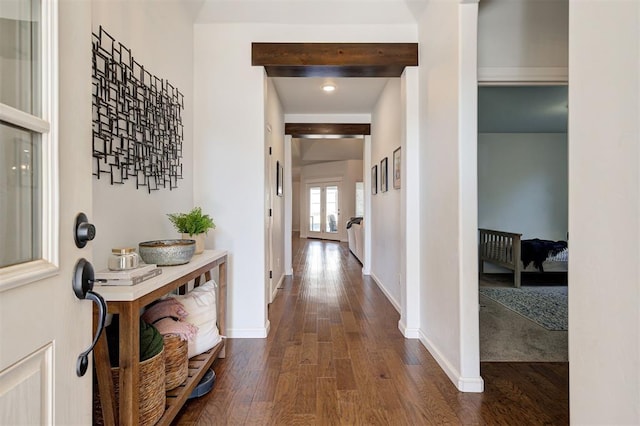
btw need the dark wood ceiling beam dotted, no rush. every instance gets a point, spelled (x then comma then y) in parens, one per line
(334, 59)
(334, 71)
(298, 130)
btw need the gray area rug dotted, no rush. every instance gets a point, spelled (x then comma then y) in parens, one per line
(547, 306)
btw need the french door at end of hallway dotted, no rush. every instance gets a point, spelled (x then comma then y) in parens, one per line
(324, 210)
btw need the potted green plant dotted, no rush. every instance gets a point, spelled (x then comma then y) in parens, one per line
(193, 225)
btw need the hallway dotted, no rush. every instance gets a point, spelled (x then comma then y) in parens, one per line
(334, 355)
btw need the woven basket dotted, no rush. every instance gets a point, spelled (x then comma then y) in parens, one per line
(176, 363)
(151, 393)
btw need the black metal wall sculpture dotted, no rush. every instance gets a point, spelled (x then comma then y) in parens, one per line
(137, 120)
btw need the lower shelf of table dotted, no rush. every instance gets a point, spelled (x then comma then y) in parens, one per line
(198, 366)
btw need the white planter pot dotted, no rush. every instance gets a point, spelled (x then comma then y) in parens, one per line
(199, 238)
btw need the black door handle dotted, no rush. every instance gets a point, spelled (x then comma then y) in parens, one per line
(83, 280)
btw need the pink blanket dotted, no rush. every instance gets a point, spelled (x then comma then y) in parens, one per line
(165, 308)
(185, 330)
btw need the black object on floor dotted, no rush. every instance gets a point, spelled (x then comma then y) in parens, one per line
(205, 385)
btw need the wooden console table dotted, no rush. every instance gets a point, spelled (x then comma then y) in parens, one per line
(127, 301)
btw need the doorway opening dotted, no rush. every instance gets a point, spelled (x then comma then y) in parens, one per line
(523, 221)
(323, 203)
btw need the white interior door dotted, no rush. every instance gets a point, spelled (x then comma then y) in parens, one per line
(324, 210)
(270, 190)
(45, 179)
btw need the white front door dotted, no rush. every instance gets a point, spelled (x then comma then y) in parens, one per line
(324, 210)
(45, 180)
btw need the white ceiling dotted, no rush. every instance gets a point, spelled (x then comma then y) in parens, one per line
(312, 12)
(305, 95)
(312, 151)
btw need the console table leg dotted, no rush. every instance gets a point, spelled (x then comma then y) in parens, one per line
(129, 363)
(222, 304)
(105, 381)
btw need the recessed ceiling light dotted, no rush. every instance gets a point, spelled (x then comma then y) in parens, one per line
(328, 87)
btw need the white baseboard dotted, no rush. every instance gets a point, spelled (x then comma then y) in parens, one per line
(393, 301)
(275, 289)
(408, 333)
(471, 384)
(464, 384)
(249, 333)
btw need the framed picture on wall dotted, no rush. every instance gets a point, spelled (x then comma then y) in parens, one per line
(384, 181)
(279, 179)
(397, 163)
(374, 179)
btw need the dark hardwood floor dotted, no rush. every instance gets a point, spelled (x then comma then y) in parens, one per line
(335, 356)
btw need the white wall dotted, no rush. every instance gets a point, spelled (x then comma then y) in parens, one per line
(604, 202)
(439, 177)
(295, 215)
(355, 173)
(229, 175)
(274, 138)
(448, 296)
(124, 215)
(522, 184)
(385, 219)
(524, 40)
(410, 199)
(229, 144)
(348, 172)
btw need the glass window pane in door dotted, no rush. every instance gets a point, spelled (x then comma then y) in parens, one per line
(314, 209)
(332, 209)
(20, 64)
(20, 196)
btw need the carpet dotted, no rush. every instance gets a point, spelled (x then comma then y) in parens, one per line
(546, 306)
(505, 335)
